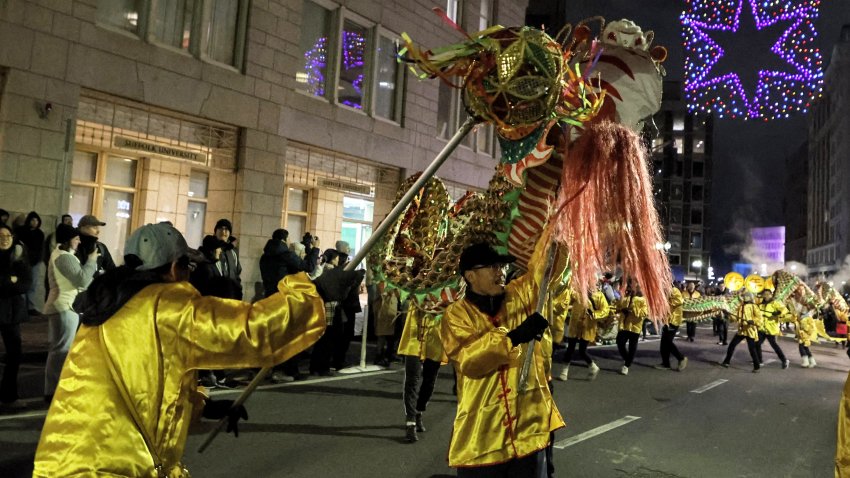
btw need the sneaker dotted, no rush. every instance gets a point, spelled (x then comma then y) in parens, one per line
(661, 367)
(420, 427)
(280, 377)
(410, 433)
(207, 381)
(755, 370)
(720, 343)
(624, 370)
(593, 370)
(682, 364)
(785, 364)
(724, 364)
(564, 374)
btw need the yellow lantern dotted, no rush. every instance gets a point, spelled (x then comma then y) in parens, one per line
(754, 283)
(733, 281)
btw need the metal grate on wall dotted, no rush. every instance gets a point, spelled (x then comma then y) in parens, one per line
(101, 119)
(314, 167)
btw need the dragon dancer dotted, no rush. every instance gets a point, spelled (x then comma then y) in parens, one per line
(749, 318)
(582, 330)
(773, 312)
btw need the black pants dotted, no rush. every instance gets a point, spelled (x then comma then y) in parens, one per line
(722, 329)
(344, 334)
(751, 345)
(12, 341)
(667, 346)
(624, 336)
(320, 357)
(531, 466)
(415, 401)
(691, 329)
(804, 351)
(582, 350)
(773, 344)
(649, 327)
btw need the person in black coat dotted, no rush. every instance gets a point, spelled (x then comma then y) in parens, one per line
(32, 237)
(278, 261)
(89, 227)
(15, 280)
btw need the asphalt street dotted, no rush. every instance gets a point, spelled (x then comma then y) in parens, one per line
(707, 421)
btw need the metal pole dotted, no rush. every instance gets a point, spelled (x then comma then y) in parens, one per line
(541, 302)
(429, 172)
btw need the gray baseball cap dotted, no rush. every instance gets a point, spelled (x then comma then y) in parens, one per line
(156, 245)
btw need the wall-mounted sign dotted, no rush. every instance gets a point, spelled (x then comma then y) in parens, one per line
(346, 186)
(162, 150)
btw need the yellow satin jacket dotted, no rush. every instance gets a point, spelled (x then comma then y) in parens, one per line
(493, 423)
(772, 314)
(842, 450)
(421, 336)
(146, 356)
(583, 318)
(748, 312)
(806, 331)
(634, 313)
(676, 310)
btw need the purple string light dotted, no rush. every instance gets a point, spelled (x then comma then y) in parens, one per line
(777, 94)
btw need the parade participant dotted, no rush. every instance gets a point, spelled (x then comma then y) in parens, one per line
(496, 431)
(749, 319)
(842, 449)
(721, 320)
(806, 333)
(582, 330)
(111, 415)
(632, 312)
(423, 354)
(668, 332)
(690, 292)
(772, 312)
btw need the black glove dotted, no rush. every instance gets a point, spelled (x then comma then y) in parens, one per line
(218, 409)
(530, 328)
(751, 322)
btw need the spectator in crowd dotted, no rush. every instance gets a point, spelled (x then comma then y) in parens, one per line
(320, 358)
(89, 227)
(111, 418)
(347, 311)
(15, 279)
(343, 248)
(32, 237)
(311, 251)
(230, 265)
(277, 262)
(4, 216)
(67, 277)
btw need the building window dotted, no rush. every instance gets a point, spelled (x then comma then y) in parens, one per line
(678, 122)
(388, 80)
(675, 215)
(104, 184)
(315, 31)
(213, 30)
(485, 14)
(696, 240)
(352, 64)
(296, 212)
(121, 14)
(696, 216)
(676, 192)
(696, 192)
(171, 22)
(675, 259)
(453, 8)
(697, 169)
(368, 76)
(679, 145)
(196, 214)
(357, 216)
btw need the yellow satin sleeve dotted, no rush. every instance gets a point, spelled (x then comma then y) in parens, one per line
(147, 352)
(676, 310)
(842, 450)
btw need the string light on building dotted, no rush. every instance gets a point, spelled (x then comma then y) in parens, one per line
(778, 94)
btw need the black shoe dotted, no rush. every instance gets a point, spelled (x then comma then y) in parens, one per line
(410, 434)
(33, 313)
(661, 367)
(420, 427)
(755, 370)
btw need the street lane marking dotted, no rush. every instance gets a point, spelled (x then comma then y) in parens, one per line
(711, 385)
(594, 432)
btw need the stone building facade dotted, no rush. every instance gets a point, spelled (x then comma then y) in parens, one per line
(272, 113)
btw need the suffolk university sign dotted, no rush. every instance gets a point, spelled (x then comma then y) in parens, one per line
(162, 150)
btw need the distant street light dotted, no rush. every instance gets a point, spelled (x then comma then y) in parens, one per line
(697, 263)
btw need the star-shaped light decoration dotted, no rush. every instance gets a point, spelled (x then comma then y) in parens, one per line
(778, 94)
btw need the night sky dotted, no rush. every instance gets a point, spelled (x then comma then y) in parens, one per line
(748, 155)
